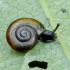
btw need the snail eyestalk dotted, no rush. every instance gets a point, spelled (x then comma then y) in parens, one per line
(56, 28)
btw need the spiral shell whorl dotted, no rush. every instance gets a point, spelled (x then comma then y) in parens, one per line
(22, 34)
(22, 37)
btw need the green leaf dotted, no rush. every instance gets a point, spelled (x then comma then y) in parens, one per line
(53, 23)
(52, 53)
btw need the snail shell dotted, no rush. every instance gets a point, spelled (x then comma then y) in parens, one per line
(22, 34)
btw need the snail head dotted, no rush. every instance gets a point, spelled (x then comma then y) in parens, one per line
(48, 36)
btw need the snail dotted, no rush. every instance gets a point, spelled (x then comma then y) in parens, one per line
(24, 33)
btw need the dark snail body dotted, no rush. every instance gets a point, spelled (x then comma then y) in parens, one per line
(49, 36)
(24, 33)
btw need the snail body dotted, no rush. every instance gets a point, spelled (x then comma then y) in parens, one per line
(23, 34)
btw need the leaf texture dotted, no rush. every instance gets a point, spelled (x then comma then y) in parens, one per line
(10, 59)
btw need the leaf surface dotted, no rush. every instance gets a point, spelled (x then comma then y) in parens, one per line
(52, 53)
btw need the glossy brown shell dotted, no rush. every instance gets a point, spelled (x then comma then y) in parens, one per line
(22, 34)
